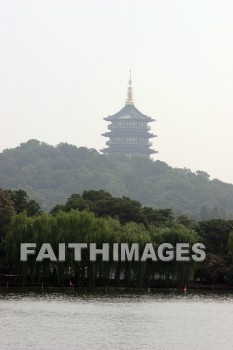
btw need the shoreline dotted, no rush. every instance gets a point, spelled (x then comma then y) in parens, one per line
(110, 290)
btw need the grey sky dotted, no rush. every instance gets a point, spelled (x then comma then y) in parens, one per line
(64, 67)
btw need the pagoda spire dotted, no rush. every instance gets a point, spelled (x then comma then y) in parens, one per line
(129, 100)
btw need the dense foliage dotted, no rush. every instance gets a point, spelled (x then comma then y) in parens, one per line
(77, 227)
(50, 174)
(97, 216)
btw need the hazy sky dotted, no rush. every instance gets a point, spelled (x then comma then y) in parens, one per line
(64, 67)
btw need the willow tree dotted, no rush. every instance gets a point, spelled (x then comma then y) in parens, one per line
(175, 272)
(135, 271)
(84, 227)
(230, 250)
(20, 231)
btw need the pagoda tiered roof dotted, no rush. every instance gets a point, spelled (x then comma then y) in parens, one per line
(129, 111)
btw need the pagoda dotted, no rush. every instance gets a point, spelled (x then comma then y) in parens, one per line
(128, 132)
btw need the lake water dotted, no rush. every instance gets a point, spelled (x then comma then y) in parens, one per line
(60, 321)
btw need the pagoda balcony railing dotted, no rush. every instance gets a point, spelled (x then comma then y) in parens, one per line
(141, 143)
(125, 126)
(112, 134)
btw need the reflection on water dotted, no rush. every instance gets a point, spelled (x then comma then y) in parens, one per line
(123, 322)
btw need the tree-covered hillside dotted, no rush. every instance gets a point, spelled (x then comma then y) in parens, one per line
(50, 174)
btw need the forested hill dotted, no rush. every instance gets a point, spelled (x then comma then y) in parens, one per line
(50, 174)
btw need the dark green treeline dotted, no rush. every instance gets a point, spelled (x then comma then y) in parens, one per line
(97, 216)
(77, 227)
